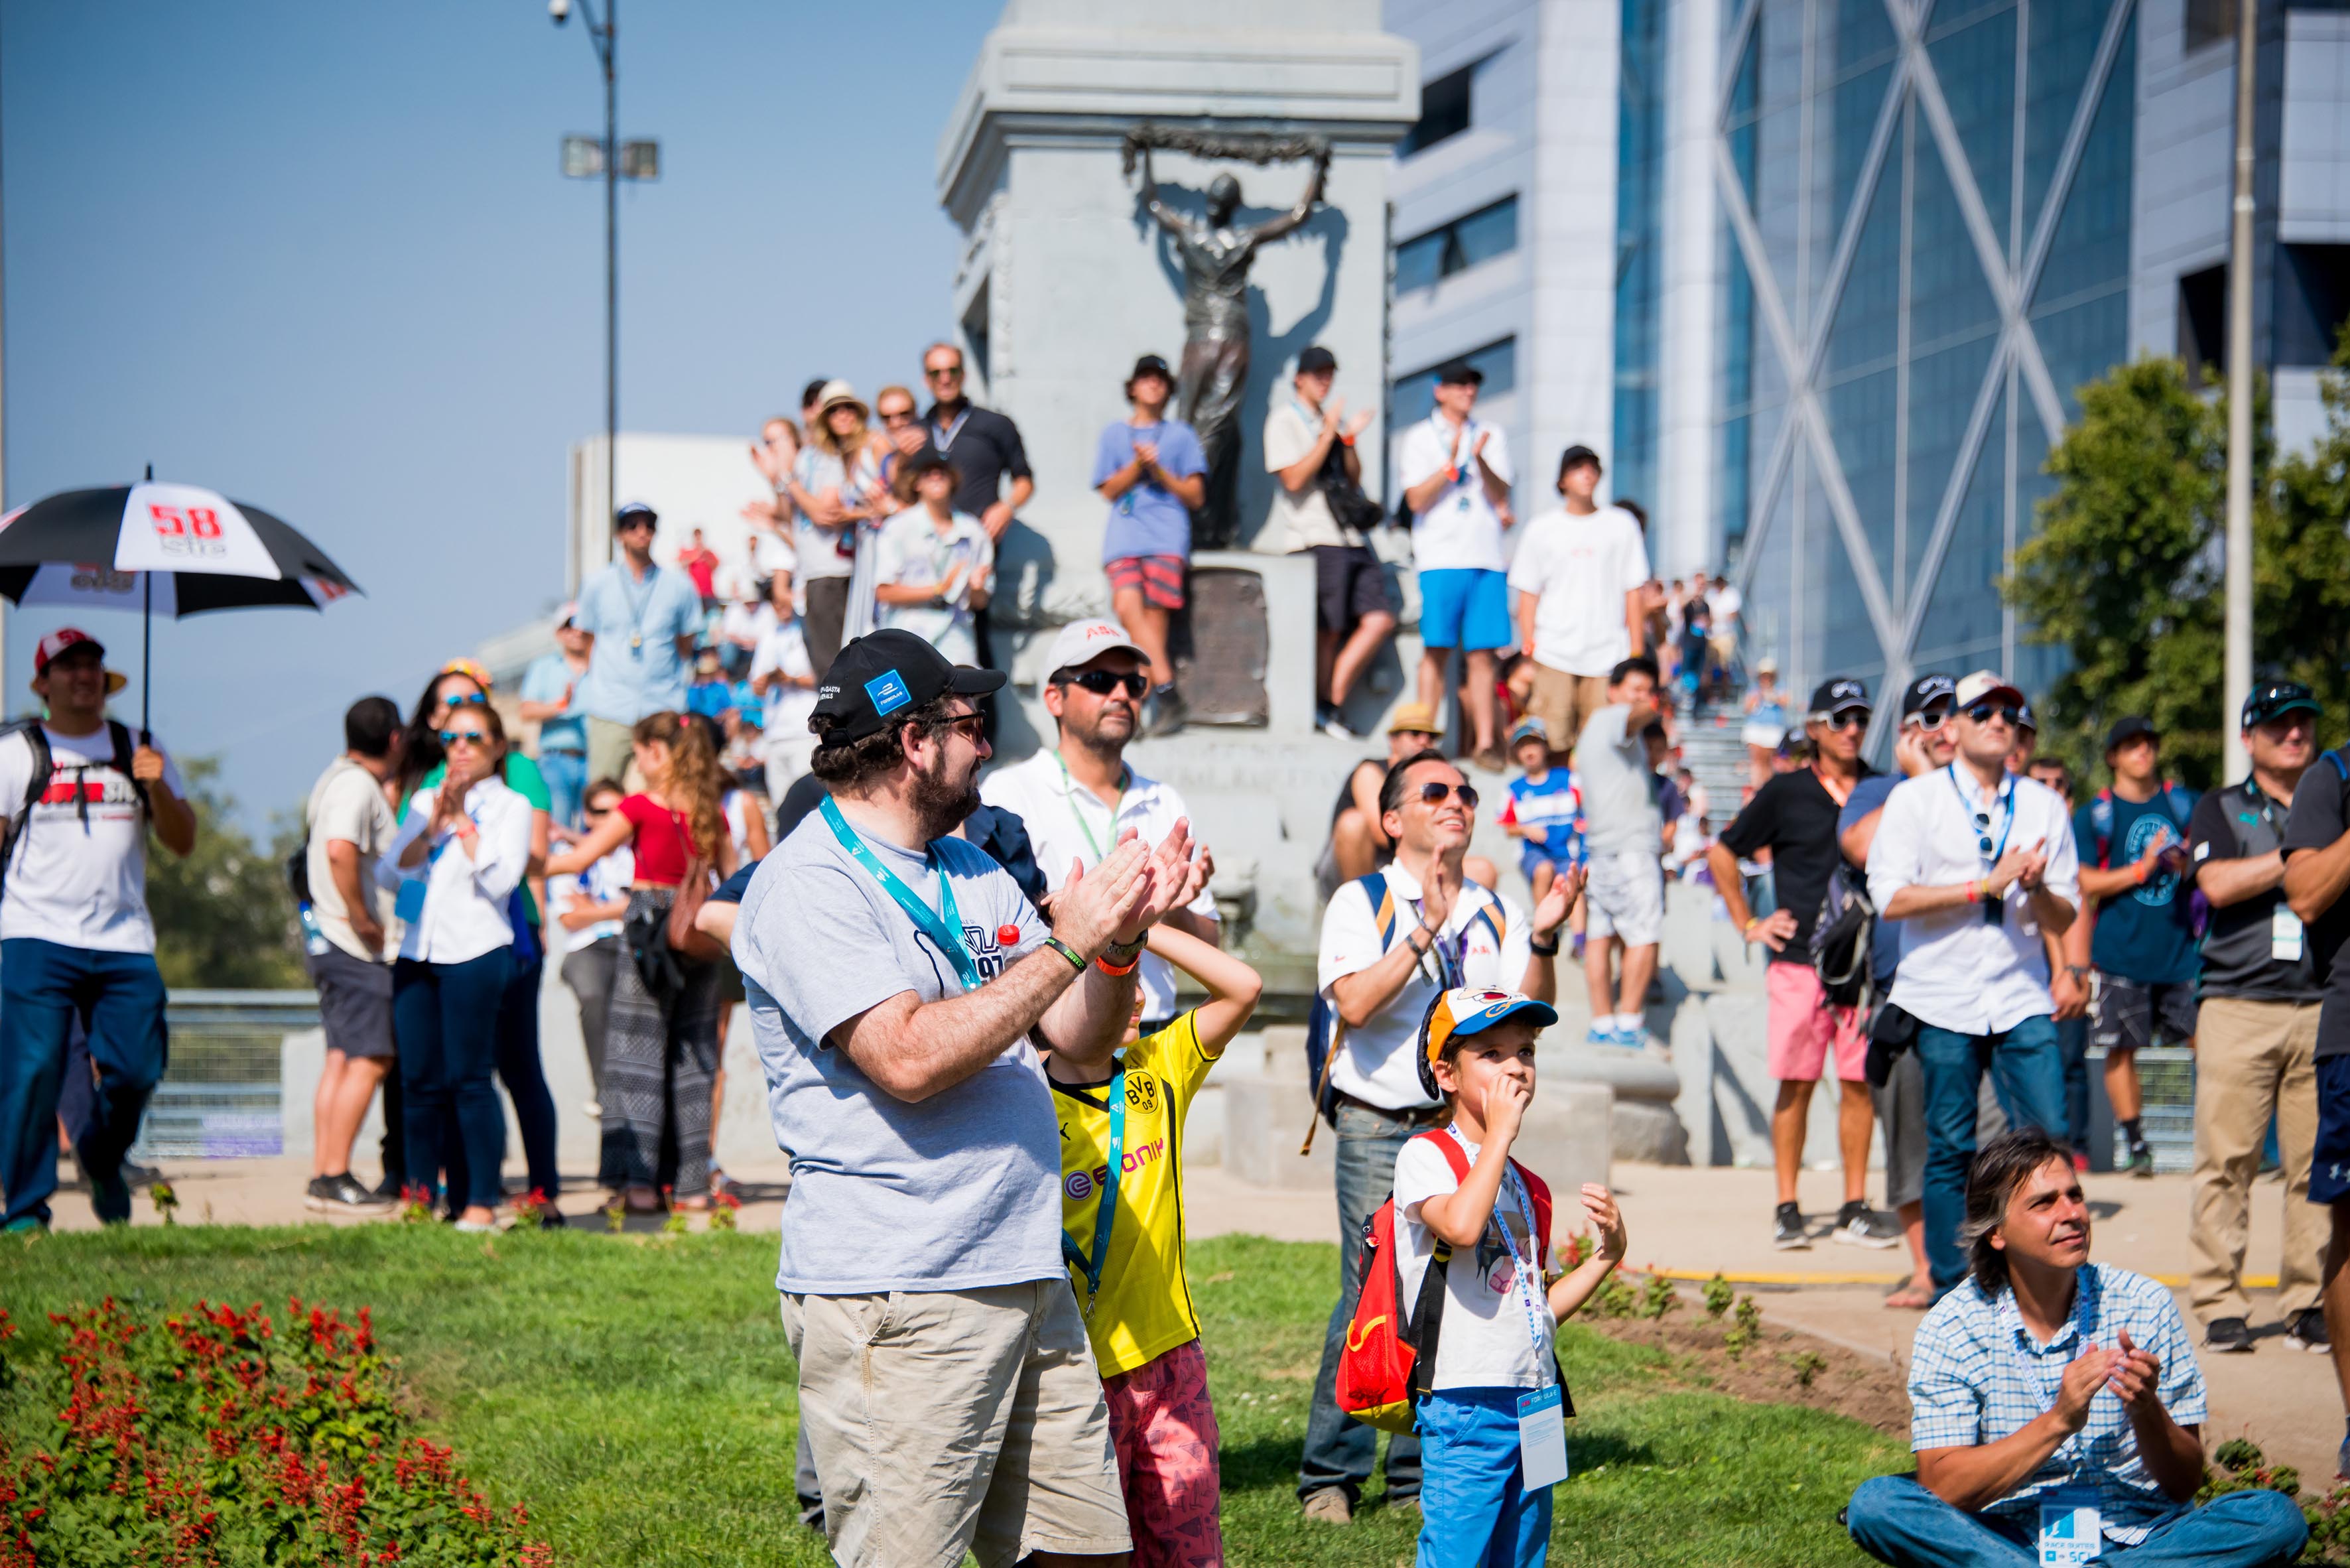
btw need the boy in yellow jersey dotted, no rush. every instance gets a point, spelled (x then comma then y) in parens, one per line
(1126, 1260)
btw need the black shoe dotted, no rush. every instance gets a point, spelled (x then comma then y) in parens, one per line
(2227, 1337)
(1787, 1231)
(388, 1188)
(1167, 712)
(109, 1198)
(551, 1219)
(1857, 1225)
(343, 1195)
(2141, 1161)
(138, 1176)
(2306, 1331)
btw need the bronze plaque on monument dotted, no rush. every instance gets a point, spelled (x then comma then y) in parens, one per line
(1221, 643)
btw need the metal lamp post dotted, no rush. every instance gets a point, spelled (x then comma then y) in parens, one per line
(2237, 660)
(587, 158)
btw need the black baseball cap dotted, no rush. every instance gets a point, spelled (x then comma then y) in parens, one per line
(634, 512)
(1315, 360)
(1459, 372)
(885, 672)
(2275, 699)
(2125, 730)
(1576, 455)
(1833, 697)
(1151, 365)
(1924, 692)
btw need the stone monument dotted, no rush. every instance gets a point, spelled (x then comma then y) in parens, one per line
(1215, 255)
(1068, 273)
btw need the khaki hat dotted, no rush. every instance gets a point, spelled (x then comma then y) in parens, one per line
(1413, 718)
(835, 393)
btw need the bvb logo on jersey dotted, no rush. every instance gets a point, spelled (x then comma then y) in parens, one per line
(1142, 1093)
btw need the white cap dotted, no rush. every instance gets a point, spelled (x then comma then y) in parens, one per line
(1081, 642)
(1986, 683)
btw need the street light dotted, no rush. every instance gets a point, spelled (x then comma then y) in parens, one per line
(588, 158)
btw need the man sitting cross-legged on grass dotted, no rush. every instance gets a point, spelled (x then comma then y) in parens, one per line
(1122, 1111)
(2055, 1406)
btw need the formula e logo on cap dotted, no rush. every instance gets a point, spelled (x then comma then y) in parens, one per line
(888, 691)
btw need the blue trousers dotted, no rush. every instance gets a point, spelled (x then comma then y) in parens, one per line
(1474, 1508)
(1339, 1449)
(526, 1080)
(445, 1019)
(565, 773)
(2028, 1074)
(1896, 1520)
(118, 997)
(2073, 1040)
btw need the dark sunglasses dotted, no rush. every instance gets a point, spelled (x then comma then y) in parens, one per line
(952, 372)
(1846, 719)
(478, 737)
(900, 417)
(598, 811)
(1432, 792)
(973, 725)
(1102, 683)
(1930, 718)
(1983, 712)
(473, 700)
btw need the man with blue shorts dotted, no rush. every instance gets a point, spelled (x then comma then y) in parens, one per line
(1456, 479)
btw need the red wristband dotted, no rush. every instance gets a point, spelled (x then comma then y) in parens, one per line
(1110, 968)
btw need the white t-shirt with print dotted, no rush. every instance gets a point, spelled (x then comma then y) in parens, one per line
(77, 873)
(1580, 568)
(1486, 1340)
(1459, 528)
(913, 549)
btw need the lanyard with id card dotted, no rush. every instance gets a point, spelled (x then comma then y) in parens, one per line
(1995, 908)
(408, 904)
(2071, 1528)
(943, 925)
(1542, 1413)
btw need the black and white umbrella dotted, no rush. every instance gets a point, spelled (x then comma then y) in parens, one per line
(176, 550)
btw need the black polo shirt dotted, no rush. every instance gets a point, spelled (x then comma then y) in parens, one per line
(2240, 823)
(985, 446)
(1795, 817)
(2321, 814)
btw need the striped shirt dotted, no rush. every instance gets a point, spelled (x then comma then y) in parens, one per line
(1977, 1375)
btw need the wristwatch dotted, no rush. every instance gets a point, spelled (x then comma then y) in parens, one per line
(1122, 954)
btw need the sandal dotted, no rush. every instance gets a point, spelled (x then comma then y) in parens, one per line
(1910, 1297)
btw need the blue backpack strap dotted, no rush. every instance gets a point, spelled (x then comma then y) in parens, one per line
(1496, 921)
(2340, 768)
(1382, 901)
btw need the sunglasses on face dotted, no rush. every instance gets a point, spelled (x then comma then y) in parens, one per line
(897, 416)
(1432, 792)
(950, 373)
(973, 726)
(467, 737)
(2007, 714)
(1102, 683)
(1930, 718)
(1850, 719)
(470, 700)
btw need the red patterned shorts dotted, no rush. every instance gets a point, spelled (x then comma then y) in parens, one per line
(1158, 578)
(1164, 1429)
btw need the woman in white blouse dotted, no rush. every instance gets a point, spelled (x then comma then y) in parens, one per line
(455, 865)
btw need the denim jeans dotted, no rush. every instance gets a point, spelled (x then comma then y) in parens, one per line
(566, 784)
(1474, 1508)
(118, 997)
(2073, 1040)
(526, 1080)
(2027, 1073)
(445, 1017)
(1896, 1520)
(1339, 1449)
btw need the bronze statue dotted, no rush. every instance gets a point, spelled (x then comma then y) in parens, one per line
(1216, 258)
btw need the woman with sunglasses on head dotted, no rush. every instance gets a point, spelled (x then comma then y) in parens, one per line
(462, 687)
(660, 1051)
(836, 483)
(455, 863)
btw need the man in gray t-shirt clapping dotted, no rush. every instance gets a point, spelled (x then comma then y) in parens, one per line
(1624, 898)
(895, 975)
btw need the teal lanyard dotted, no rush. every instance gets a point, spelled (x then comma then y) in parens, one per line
(1105, 1215)
(1526, 1272)
(943, 925)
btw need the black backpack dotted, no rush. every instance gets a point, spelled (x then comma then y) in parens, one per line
(1842, 940)
(37, 784)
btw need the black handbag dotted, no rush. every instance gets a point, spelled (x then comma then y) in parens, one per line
(1351, 509)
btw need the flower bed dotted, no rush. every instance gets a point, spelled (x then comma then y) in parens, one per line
(214, 1437)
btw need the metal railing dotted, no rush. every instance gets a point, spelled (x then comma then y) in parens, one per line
(222, 1096)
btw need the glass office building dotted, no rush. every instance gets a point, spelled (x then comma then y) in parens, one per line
(1918, 266)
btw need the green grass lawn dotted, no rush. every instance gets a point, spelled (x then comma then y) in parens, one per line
(638, 1396)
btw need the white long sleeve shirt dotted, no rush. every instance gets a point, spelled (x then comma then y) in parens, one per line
(1959, 972)
(463, 909)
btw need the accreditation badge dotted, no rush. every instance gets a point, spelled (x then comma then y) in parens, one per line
(2070, 1529)
(1541, 1437)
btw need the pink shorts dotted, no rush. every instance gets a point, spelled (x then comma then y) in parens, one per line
(1164, 1431)
(1158, 578)
(1803, 1026)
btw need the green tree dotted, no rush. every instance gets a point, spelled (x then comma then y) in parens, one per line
(2126, 571)
(224, 917)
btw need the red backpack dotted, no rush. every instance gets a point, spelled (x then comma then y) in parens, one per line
(1389, 1360)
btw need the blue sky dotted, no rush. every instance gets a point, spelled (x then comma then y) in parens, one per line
(321, 257)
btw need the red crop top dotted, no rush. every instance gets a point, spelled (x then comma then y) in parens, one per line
(664, 842)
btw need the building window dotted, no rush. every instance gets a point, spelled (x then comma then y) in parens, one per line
(1415, 395)
(1459, 246)
(2203, 322)
(2313, 298)
(2209, 22)
(1443, 111)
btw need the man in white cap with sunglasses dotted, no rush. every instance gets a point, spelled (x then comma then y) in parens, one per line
(1077, 796)
(1976, 863)
(78, 793)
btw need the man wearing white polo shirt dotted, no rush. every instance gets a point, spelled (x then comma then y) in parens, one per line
(1456, 476)
(1976, 863)
(1077, 797)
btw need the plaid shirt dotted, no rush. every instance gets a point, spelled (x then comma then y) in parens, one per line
(1977, 1375)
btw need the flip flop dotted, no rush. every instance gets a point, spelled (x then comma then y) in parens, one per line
(1910, 1298)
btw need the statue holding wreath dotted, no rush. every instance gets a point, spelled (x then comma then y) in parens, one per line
(1216, 256)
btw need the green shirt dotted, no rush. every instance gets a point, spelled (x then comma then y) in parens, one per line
(524, 778)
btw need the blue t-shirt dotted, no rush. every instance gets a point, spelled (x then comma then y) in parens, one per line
(712, 697)
(1885, 945)
(2146, 934)
(1555, 806)
(1147, 520)
(634, 670)
(545, 680)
